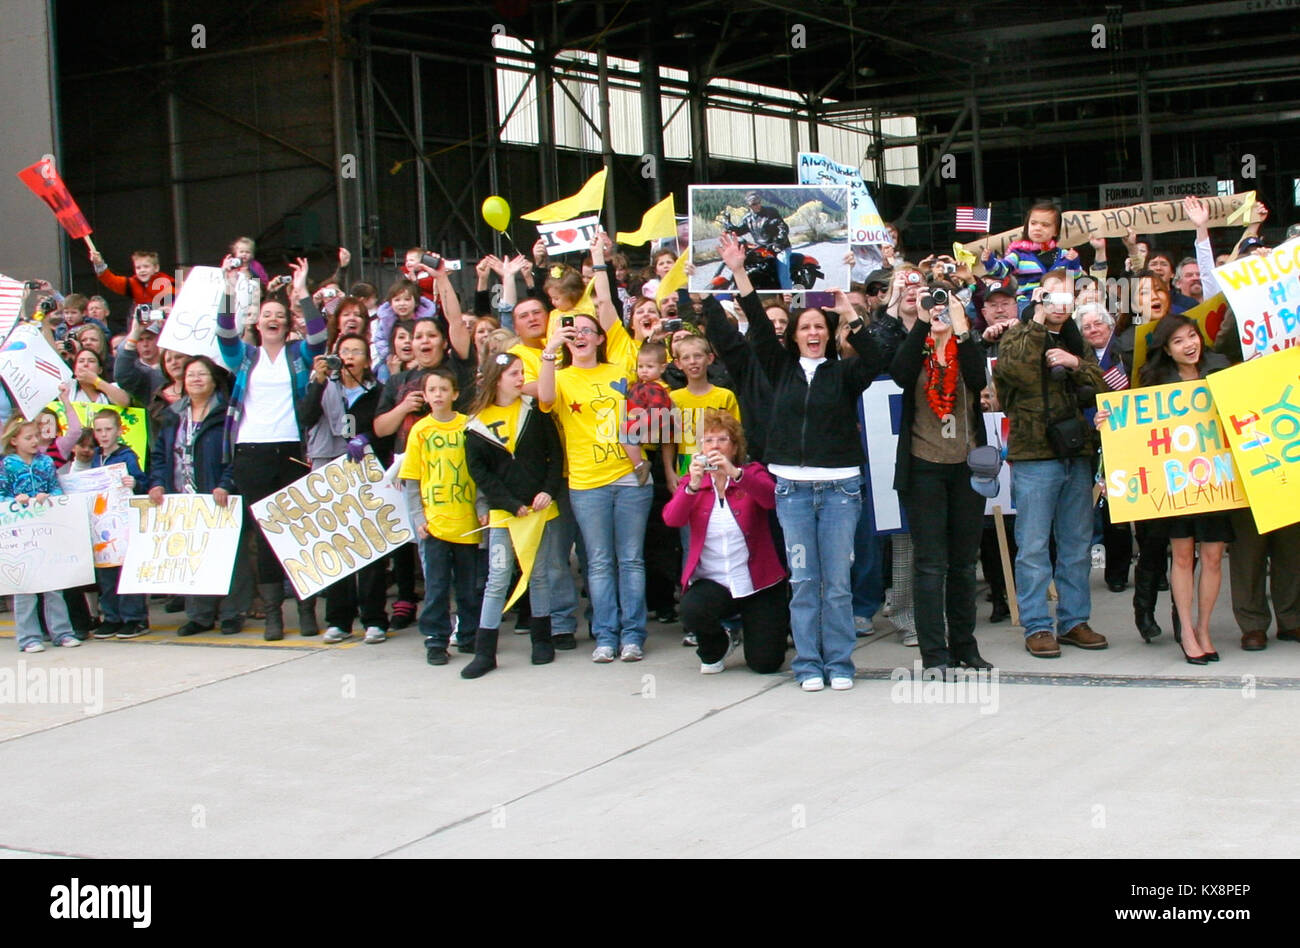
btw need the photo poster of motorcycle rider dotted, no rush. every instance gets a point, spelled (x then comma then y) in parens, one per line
(796, 237)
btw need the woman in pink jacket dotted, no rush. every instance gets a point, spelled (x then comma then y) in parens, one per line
(732, 566)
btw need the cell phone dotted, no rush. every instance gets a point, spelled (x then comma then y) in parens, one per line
(566, 322)
(431, 260)
(32, 284)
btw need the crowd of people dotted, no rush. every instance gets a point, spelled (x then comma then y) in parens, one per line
(701, 457)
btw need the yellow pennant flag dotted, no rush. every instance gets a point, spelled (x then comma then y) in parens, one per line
(659, 221)
(673, 280)
(962, 255)
(526, 537)
(590, 197)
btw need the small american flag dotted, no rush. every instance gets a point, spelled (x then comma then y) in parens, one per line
(973, 219)
(49, 368)
(1115, 378)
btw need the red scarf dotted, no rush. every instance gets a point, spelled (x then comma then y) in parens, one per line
(941, 380)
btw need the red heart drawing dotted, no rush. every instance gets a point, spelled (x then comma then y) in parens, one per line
(1213, 320)
(566, 236)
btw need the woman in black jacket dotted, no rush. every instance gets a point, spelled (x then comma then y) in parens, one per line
(338, 413)
(940, 367)
(814, 452)
(186, 458)
(514, 456)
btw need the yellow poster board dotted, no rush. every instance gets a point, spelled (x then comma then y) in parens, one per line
(1259, 402)
(135, 425)
(1166, 453)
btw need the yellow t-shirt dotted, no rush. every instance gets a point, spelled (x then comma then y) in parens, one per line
(504, 425)
(588, 406)
(692, 412)
(435, 457)
(531, 358)
(620, 349)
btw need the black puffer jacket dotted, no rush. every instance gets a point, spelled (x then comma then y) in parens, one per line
(510, 481)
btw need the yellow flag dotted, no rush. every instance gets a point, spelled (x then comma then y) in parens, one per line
(659, 221)
(673, 280)
(525, 537)
(590, 197)
(963, 255)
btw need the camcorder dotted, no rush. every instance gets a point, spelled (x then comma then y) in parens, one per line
(938, 296)
(149, 318)
(431, 260)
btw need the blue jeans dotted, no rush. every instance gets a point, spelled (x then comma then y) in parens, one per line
(612, 520)
(564, 591)
(28, 624)
(548, 574)
(114, 607)
(867, 574)
(441, 559)
(1053, 497)
(819, 519)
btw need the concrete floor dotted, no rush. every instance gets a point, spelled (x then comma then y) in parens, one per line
(224, 747)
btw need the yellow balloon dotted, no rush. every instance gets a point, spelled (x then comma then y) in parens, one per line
(496, 212)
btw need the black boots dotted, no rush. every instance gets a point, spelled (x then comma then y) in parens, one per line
(307, 616)
(1001, 610)
(273, 595)
(539, 630)
(1145, 583)
(485, 654)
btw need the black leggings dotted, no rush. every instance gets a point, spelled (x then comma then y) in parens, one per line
(765, 614)
(261, 469)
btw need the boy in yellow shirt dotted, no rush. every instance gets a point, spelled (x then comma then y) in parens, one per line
(445, 513)
(693, 355)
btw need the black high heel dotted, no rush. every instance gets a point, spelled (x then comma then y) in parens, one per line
(1194, 659)
(1212, 656)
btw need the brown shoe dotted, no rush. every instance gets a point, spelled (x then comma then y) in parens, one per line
(1288, 635)
(1042, 645)
(1255, 641)
(1082, 636)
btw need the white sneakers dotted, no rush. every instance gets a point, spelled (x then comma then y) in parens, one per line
(334, 635)
(816, 684)
(720, 665)
(602, 655)
(375, 635)
(631, 653)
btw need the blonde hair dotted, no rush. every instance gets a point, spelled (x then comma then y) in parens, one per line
(15, 425)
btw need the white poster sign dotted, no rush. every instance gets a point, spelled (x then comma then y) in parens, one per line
(333, 522)
(185, 546)
(192, 326)
(31, 369)
(109, 502)
(569, 236)
(45, 547)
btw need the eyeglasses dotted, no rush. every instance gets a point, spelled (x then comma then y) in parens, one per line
(586, 331)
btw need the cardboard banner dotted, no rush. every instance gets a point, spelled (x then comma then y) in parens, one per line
(865, 223)
(185, 546)
(1264, 291)
(45, 547)
(333, 522)
(191, 327)
(1157, 217)
(569, 236)
(109, 503)
(1166, 453)
(1208, 315)
(1259, 402)
(31, 369)
(135, 424)
(46, 184)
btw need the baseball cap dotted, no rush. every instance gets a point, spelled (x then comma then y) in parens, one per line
(1006, 285)
(1249, 244)
(881, 277)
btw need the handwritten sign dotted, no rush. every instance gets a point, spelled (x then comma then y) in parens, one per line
(45, 183)
(569, 236)
(1259, 402)
(865, 223)
(192, 326)
(135, 424)
(186, 545)
(45, 547)
(1264, 290)
(1166, 453)
(333, 522)
(109, 502)
(31, 369)
(1156, 217)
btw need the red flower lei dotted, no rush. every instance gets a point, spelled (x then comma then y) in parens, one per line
(941, 380)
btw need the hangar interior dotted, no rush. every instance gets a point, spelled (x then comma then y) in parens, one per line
(377, 125)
